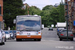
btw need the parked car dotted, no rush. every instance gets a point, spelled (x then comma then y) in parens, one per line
(2, 37)
(63, 34)
(7, 34)
(50, 28)
(58, 31)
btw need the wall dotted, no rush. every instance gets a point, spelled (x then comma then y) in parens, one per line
(1, 15)
(1, 5)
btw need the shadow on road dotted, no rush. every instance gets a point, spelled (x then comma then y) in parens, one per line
(2, 44)
(65, 40)
(23, 40)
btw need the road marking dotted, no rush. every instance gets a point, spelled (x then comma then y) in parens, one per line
(65, 47)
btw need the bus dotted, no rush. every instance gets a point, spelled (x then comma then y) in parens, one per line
(28, 27)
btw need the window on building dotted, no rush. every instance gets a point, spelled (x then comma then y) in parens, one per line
(0, 9)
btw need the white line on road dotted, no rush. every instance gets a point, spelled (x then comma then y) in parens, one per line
(65, 47)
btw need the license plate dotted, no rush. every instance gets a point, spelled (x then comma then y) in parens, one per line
(65, 35)
(28, 36)
(28, 33)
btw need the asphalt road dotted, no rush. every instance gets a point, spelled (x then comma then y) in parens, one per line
(50, 41)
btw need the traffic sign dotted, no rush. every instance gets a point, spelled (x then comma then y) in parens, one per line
(74, 23)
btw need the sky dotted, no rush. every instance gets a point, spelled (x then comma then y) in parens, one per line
(41, 3)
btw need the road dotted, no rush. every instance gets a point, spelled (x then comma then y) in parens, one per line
(50, 41)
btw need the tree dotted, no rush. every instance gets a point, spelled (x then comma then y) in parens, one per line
(27, 9)
(46, 15)
(52, 15)
(61, 13)
(48, 7)
(12, 8)
(34, 10)
(49, 14)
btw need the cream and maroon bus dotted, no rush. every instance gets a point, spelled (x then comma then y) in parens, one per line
(28, 27)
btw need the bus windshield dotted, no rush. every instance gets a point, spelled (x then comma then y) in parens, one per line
(28, 24)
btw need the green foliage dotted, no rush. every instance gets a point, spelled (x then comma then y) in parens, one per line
(49, 14)
(26, 9)
(48, 7)
(4, 25)
(34, 10)
(13, 28)
(52, 15)
(61, 13)
(11, 9)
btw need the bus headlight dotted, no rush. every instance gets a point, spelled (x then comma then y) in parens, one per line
(39, 33)
(18, 33)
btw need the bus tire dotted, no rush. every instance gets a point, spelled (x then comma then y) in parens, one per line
(34, 39)
(39, 39)
(17, 39)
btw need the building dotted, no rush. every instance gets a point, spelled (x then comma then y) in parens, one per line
(70, 9)
(1, 14)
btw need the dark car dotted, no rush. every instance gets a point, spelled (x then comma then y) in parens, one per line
(63, 34)
(50, 28)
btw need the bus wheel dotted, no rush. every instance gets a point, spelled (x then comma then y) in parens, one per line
(17, 39)
(39, 39)
(34, 39)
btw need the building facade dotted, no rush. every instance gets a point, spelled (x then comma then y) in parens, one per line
(1, 14)
(70, 11)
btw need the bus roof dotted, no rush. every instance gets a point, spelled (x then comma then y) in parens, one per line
(28, 16)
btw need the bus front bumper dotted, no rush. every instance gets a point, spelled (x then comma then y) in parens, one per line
(28, 37)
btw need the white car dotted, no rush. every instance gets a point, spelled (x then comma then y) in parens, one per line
(7, 34)
(2, 37)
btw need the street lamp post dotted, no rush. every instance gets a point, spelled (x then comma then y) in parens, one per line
(67, 17)
(67, 20)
